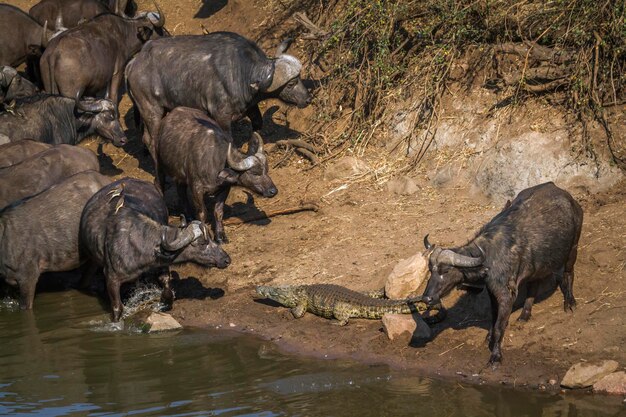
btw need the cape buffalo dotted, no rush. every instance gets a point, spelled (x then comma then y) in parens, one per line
(13, 85)
(15, 152)
(75, 11)
(222, 73)
(197, 153)
(528, 241)
(124, 229)
(41, 234)
(43, 170)
(55, 119)
(90, 58)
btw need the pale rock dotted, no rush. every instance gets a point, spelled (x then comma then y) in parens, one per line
(409, 326)
(345, 168)
(614, 383)
(406, 276)
(402, 186)
(582, 375)
(160, 322)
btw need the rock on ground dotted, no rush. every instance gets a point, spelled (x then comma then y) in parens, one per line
(151, 322)
(614, 383)
(402, 186)
(582, 375)
(345, 168)
(406, 276)
(409, 326)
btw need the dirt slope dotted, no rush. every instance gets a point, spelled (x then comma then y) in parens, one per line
(360, 233)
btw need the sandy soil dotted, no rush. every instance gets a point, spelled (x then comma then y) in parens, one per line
(356, 238)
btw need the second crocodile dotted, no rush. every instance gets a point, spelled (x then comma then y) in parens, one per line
(334, 301)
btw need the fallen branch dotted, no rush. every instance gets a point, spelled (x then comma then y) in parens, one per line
(273, 213)
(303, 148)
(315, 33)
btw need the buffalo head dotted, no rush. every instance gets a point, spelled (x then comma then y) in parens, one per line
(100, 116)
(446, 271)
(151, 25)
(192, 243)
(286, 83)
(251, 170)
(12, 85)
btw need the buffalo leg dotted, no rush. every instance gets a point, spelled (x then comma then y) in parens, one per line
(531, 293)
(181, 190)
(218, 215)
(87, 271)
(567, 281)
(254, 114)
(113, 288)
(114, 89)
(494, 316)
(27, 283)
(197, 198)
(505, 305)
(167, 296)
(152, 119)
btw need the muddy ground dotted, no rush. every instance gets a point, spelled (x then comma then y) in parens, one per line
(360, 232)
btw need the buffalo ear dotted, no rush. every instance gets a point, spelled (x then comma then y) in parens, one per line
(144, 33)
(227, 176)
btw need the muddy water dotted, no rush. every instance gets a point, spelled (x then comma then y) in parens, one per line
(65, 359)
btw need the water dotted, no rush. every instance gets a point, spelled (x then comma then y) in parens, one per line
(63, 359)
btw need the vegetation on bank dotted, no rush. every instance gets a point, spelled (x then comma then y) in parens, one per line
(373, 53)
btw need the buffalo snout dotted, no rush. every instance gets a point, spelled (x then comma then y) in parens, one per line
(270, 192)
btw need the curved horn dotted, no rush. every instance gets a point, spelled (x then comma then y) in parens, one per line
(286, 68)
(58, 24)
(427, 244)
(449, 257)
(183, 221)
(259, 141)
(243, 165)
(161, 22)
(90, 106)
(282, 48)
(44, 38)
(182, 239)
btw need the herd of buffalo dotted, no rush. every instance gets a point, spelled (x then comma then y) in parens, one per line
(58, 212)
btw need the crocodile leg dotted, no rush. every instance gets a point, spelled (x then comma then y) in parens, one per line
(341, 311)
(299, 310)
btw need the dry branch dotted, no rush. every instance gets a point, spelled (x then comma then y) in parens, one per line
(267, 215)
(315, 33)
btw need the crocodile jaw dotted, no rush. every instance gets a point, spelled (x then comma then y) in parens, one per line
(286, 296)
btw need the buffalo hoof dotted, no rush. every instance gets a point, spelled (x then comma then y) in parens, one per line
(525, 316)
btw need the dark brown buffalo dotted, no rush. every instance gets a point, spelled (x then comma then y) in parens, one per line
(532, 238)
(124, 229)
(41, 234)
(41, 171)
(22, 39)
(90, 59)
(198, 154)
(222, 73)
(15, 152)
(75, 11)
(55, 119)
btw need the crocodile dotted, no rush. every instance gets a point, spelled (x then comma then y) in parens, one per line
(334, 301)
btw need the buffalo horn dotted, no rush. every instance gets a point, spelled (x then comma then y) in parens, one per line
(427, 244)
(44, 37)
(286, 68)
(452, 258)
(161, 21)
(89, 106)
(183, 238)
(282, 48)
(243, 165)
